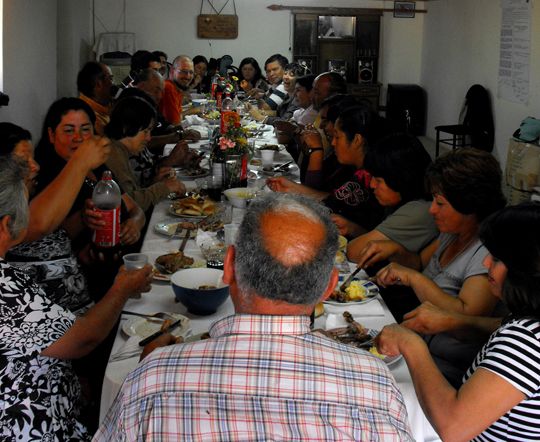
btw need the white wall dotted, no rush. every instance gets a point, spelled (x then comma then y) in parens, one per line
(29, 61)
(461, 48)
(171, 26)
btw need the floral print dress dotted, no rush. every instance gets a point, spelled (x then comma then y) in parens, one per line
(38, 395)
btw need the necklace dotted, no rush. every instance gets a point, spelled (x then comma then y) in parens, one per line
(461, 252)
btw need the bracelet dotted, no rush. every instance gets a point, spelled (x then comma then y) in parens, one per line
(314, 149)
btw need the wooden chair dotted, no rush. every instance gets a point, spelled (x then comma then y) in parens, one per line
(476, 127)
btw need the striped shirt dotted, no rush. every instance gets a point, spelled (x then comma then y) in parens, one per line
(258, 378)
(277, 97)
(513, 352)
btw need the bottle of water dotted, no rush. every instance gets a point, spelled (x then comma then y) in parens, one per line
(215, 81)
(107, 200)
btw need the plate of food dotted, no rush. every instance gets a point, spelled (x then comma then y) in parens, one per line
(272, 171)
(359, 291)
(166, 277)
(359, 336)
(138, 326)
(193, 207)
(169, 226)
(274, 147)
(197, 172)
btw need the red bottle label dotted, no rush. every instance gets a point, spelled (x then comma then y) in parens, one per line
(219, 100)
(244, 168)
(214, 85)
(109, 234)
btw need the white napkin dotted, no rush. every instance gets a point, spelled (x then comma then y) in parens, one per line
(334, 313)
(130, 348)
(192, 120)
(202, 236)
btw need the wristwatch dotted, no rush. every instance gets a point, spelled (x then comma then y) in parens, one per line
(313, 149)
(180, 133)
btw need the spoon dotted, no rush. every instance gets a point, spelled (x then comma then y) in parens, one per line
(156, 317)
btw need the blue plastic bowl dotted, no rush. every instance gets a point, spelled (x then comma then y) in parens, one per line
(186, 283)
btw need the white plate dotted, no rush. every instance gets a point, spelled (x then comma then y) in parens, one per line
(373, 291)
(388, 360)
(190, 218)
(180, 174)
(258, 148)
(168, 226)
(137, 326)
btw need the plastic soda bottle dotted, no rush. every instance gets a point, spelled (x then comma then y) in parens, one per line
(107, 199)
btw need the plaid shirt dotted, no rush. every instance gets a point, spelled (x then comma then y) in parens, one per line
(258, 378)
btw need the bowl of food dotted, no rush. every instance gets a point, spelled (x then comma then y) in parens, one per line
(201, 290)
(237, 196)
(212, 245)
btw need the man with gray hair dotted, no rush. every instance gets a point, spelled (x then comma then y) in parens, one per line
(263, 375)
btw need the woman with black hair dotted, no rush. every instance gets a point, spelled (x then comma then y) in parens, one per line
(355, 133)
(498, 396)
(250, 77)
(131, 122)
(200, 67)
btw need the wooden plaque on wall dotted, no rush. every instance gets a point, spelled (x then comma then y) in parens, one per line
(218, 26)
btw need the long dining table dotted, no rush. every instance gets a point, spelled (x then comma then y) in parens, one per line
(374, 315)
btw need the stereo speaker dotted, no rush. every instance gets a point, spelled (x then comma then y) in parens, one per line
(367, 70)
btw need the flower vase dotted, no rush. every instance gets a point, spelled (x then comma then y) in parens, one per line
(232, 171)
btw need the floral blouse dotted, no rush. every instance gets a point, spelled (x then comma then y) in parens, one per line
(38, 395)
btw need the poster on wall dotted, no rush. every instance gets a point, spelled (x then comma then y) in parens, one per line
(515, 50)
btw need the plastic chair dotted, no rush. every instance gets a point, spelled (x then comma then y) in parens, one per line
(475, 126)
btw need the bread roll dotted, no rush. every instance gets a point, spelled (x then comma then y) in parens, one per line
(319, 309)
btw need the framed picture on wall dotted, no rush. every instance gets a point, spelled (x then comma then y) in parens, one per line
(404, 9)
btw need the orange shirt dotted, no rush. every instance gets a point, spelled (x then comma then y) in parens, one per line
(102, 114)
(171, 103)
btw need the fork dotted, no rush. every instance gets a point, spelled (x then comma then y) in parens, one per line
(156, 317)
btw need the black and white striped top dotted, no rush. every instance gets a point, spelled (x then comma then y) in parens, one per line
(513, 352)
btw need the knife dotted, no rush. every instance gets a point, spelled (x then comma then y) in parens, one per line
(149, 339)
(343, 286)
(281, 166)
(186, 237)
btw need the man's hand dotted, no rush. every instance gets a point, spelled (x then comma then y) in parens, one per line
(161, 341)
(93, 152)
(285, 128)
(164, 173)
(175, 186)
(345, 227)
(192, 134)
(133, 283)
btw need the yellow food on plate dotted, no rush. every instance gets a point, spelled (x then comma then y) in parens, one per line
(373, 351)
(342, 242)
(356, 291)
(340, 257)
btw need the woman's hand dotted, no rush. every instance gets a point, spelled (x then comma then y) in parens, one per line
(430, 319)
(282, 184)
(345, 227)
(394, 274)
(375, 251)
(133, 282)
(93, 152)
(177, 157)
(129, 232)
(394, 339)
(91, 218)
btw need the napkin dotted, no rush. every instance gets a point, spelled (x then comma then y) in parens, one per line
(334, 313)
(130, 348)
(192, 120)
(203, 236)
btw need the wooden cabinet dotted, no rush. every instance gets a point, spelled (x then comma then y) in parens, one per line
(356, 53)
(366, 93)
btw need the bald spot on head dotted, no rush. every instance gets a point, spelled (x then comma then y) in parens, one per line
(177, 60)
(291, 238)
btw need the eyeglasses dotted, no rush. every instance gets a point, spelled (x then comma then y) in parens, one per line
(183, 71)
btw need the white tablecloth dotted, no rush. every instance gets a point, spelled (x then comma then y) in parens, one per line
(161, 298)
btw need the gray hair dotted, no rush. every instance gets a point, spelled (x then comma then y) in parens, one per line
(13, 196)
(260, 273)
